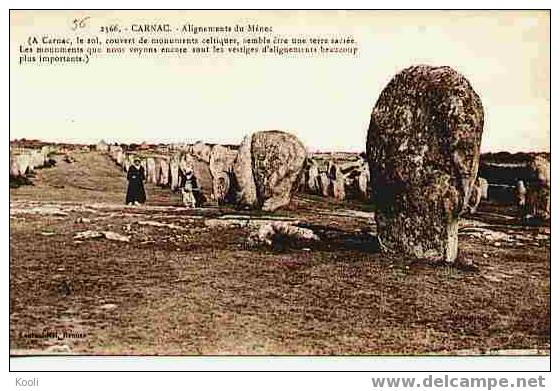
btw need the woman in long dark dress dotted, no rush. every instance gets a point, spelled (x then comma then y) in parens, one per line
(135, 194)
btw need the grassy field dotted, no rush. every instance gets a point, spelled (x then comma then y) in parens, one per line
(182, 286)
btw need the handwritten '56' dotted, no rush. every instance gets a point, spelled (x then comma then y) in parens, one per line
(79, 23)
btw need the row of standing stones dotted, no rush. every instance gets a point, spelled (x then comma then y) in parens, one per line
(262, 173)
(419, 170)
(24, 161)
(423, 147)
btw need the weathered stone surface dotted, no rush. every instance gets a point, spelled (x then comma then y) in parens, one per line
(163, 168)
(202, 151)
(245, 221)
(221, 168)
(204, 182)
(32, 160)
(157, 171)
(89, 234)
(186, 163)
(520, 195)
(116, 236)
(423, 148)
(127, 162)
(476, 196)
(45, 210)
(277, 161)
(324, 183)
(151, 170)
(337, 182)
(174, 172)
(540, 165)
(159, 224)
(144, 164)
(46, 149)
(268, 232)
(312, 177)
(221, 186)
(37, 159)
(302, 184)
(19, 165)
(538, 190)
(267, 169)
(202, 177)
(23, 163)
(246, 191)
(483, 188)
(119, 157)
(116, 153)
(362, 182)
(102, 146)
(14, 169)
(26, 161)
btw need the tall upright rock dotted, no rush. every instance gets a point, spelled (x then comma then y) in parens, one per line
(174, 172)
(119, 156)
(102, 146)
(202, 151)
(127, 162)
(163, 168)
(483, 188)
(151, 170)
(312, 176)
(324, 184)
(204, 180)
(221, 167)
(267, 169)
(362, 184)
(246, 191)
(19, 164)
(423, 147)
(538, 189)
(476, 195)
(337, 182)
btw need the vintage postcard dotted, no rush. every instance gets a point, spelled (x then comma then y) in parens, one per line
(279, 183)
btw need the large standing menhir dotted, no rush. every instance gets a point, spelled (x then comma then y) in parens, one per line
(423, 147)
(267, 169)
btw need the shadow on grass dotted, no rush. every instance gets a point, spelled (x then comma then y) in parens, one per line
(365, 242)
(331, 239)
(20, 181)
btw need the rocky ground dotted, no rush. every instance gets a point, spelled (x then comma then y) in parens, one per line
(162, 279)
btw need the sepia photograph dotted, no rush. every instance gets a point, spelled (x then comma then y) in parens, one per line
(316, 183)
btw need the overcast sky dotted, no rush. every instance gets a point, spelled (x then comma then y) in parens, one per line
(326, 102)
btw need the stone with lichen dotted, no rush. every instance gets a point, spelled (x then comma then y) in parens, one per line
(221, 166)
(267, 169)
(423, 147)
(538, 189)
